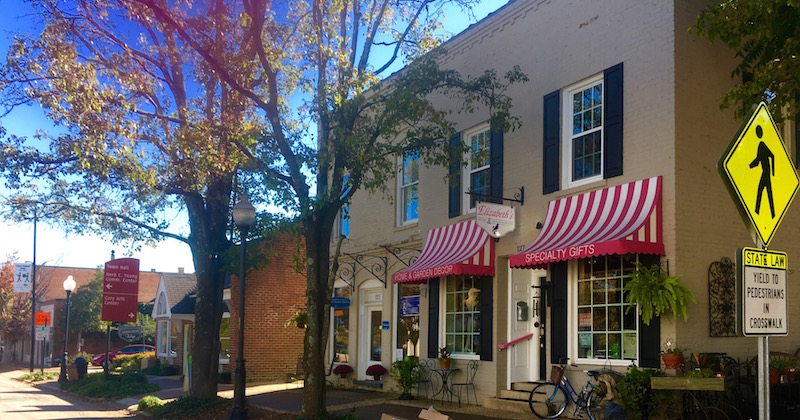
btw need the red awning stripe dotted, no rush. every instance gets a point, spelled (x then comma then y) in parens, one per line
(617, 220)
(462, 248)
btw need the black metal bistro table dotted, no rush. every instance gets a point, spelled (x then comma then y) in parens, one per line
(446, 390)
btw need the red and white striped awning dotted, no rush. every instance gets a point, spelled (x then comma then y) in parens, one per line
(624, 219)
(462, 248)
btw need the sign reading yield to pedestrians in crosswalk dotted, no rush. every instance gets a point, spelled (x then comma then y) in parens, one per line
(759, 174)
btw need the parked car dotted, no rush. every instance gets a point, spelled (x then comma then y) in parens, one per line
(129, 349)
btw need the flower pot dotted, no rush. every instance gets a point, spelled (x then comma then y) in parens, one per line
(672, 361)
(343, 375)
(444, 363)
(789, 372)
(405, 396)
(376, 377)
(773, 376)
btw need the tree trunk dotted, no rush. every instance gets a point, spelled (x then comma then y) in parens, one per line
(208, 223)
(317, 232)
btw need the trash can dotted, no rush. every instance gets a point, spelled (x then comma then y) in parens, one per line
(81, 365)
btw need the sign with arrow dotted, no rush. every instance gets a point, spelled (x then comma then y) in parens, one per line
(121, 290)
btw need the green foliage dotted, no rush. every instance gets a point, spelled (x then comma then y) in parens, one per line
(635, 394)
(37, 376)
(406, 373)
(15, 308)
(765, 35)
(71, 358)
(444, 353)
(188, 407)
(150, 402)
(117, 386)
(299, 320)
(130, 363)
(168, 370)
(655, 293)
(86, 304)
(780, 364)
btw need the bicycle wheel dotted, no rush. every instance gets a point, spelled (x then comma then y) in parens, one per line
(547, 401)
(593, 408)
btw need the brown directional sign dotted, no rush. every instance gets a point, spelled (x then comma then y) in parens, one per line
(121, 290)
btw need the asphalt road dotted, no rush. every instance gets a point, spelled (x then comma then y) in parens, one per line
(19, 400)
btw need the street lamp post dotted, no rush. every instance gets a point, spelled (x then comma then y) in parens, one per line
(243, 215)
(69, 286)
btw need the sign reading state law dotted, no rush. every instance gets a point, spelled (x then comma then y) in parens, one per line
(762, 291)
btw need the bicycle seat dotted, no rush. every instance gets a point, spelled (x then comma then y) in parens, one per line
(593, 373)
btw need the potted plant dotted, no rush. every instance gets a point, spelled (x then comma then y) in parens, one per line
(376, 371)
(778, 367)
(299, 319)
(342, 370)
(444, 358)
(406, 372)
(672, 355)
(654, 292)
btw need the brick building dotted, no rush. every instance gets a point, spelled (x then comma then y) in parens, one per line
(617, 156)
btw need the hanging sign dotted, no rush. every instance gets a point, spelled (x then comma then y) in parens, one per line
(22, 278)
(339, 302)
(495, 219)
(43, 318)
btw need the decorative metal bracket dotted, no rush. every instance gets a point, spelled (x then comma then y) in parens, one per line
(376, 268)
(401, 254)
(347, 273)
(519, 197)
(722, 298)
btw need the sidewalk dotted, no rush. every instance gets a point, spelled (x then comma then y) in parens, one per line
(288, 398)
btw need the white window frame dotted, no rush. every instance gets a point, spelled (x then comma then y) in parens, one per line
(466, 174)
(401, 186)
(162, 348)
(567, 136)
(443, 320)
(572, 323)
(224, 360)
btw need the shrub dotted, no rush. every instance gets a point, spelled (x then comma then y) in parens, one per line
(150, 402)
(129, 363)
(168, 370)
(87, 356)
(39, 376)
(635, 393)
(188, 407)
(115, 387)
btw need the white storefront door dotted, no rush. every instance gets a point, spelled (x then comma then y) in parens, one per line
(524, 318)
(369, 330)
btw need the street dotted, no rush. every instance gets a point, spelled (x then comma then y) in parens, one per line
(19, 400)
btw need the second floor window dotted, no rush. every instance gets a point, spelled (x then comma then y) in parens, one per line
(583, 147)
(409, 188)
(477, 177)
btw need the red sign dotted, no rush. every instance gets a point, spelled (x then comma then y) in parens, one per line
(121, 290)
(43, 318)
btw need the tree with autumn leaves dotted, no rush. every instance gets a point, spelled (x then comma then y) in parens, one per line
(174, 106)
(15, 308)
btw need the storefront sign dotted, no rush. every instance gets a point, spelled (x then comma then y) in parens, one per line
(495, 219)
(339, 302)
(384, 325)
(762, 291)
(569, 253)
(130, 333)
(409, 306)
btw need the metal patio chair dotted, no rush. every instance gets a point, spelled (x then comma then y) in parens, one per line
(469, 382)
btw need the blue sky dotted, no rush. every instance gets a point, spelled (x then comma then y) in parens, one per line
(53, 246)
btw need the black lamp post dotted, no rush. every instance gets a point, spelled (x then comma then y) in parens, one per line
(243, 215)
(69, 286)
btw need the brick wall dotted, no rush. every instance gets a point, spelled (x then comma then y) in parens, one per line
(273, 294)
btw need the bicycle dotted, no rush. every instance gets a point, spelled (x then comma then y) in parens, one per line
(549, 400)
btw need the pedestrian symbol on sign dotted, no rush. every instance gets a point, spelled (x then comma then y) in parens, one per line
(766, 159)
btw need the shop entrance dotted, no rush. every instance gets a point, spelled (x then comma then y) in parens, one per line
(369, 332)
(525, 317)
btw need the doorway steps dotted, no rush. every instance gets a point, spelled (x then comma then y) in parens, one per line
(515, 399)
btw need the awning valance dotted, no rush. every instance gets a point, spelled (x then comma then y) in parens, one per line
(462, 248)
(624, 219)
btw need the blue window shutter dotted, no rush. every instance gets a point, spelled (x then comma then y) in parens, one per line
(650, 335)
(433, 318)
(487, 307)
(496, 163)
(454, 199)
(552, 141)
(558, 312)
(612, 125)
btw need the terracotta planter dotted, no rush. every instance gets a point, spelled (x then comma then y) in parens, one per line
(376, 377)
(672, 361)
(773, 376)
(343, 375)
(444, 363)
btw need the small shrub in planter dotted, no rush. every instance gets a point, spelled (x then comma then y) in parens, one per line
(376, 371)
(342, 370)
(168, 370)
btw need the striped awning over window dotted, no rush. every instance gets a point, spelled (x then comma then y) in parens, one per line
(624, 219)
(462, 248)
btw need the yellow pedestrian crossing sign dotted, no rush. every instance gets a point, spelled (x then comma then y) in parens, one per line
(759, 174)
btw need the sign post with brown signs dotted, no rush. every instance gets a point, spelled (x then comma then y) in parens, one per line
(121, 290)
